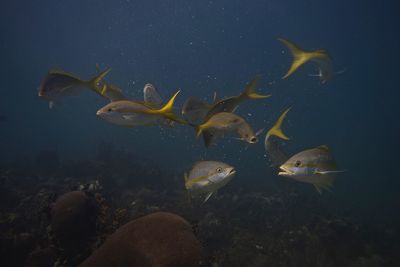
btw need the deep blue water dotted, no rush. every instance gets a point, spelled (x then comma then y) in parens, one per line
(200, 47)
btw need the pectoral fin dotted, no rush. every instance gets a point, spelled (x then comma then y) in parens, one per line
(327, 172)
(129, 117)
(207, 197)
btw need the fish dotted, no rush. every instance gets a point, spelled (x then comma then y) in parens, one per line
(198, 111)
(230, 104)
(315, 166)
(272, 142)
(223, 123)
(57, 84)
(320, 57)
(130, 113)
(206, 177)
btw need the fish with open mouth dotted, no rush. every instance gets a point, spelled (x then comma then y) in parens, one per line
(315, 166)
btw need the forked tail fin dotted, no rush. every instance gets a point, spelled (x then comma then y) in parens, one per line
(299, 56)
(276, 129)
(167, 110)
(250, 90)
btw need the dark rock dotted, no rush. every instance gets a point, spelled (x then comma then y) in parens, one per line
(73, 220)
(42, 257)
(158, 239)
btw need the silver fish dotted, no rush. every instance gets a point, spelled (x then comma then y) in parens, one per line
(223, 123)
(206, 177)
(129, 113)
(315, 166)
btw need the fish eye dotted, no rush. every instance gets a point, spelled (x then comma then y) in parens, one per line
(298, 163)
(109, 110)
(219, 169)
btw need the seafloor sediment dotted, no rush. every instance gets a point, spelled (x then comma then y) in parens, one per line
(237, 227)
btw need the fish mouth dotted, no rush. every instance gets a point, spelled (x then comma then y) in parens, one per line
(285, 171)
(99, 113)
(232, 172)
(253, 140)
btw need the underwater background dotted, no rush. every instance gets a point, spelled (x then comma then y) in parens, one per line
(202, 47)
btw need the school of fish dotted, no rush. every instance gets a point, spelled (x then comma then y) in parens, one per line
(211, 121)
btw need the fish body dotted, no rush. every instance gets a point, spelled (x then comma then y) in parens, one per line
(319, 57)
(315, 166)
(272, 142)
(206, 177)
(223, 123)
(58, 84)
(129, 113)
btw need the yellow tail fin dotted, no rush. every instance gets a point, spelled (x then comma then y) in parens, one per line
(167, 110)
(95, 83)
(276, 129)
(250, 90)
(299, 56)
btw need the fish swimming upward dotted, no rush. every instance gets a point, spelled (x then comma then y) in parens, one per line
(129, 113)
(206, 177)
(58, 84)
(272, 139)
(315, 166)
(319, 57)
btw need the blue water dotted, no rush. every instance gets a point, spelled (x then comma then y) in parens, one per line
(202, 47)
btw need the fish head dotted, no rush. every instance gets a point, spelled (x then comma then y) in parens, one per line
(221, 174)
(246, 133)
(250, 138)
(298, 166)
(112, 113)
(308, 163)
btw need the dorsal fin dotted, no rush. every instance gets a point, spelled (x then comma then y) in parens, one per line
(324, 147)
(62, 72)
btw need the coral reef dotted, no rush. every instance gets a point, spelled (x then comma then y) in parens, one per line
(158, 239)
(89, 212)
